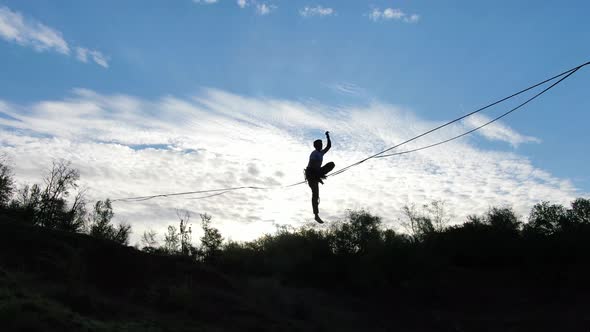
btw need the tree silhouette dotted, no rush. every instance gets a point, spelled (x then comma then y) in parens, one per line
(580, 211)
(101, 226)
(53, 210)
(6, 181)
(354, 234)
(148, 241)
(503, 219)
(211, 240)
(171, 240)
(546, 218)
(186, 247)
(430, 219)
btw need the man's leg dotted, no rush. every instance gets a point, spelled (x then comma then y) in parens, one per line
(315, 195)
(315, 199)
(327, 168)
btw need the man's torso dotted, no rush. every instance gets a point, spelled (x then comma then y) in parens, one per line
(315, 159)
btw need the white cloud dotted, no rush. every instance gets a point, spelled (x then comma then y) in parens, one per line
(261, 8)
(205, 2)
(346, 88)
(127, 146)
(264, 9)
(29, 32)
(393, 14)
(242, 3)
(497, 131)
(316, 11)
(83, 54)
(412, 18)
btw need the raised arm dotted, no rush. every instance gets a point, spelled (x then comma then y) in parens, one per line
(329, 145)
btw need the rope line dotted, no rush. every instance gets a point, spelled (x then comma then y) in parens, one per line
(218, 192)
(222, 190)
(483, 125)
(567, 72)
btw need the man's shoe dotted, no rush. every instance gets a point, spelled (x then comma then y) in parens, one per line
(318, 219)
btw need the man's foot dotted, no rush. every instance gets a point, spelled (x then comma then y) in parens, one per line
(318, 219)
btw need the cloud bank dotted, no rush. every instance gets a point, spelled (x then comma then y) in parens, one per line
(126, 146)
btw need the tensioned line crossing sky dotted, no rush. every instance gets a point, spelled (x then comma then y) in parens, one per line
(149, 97)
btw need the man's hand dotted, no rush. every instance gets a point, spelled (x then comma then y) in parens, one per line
(329, 145)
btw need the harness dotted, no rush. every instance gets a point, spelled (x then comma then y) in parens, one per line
(311, 174)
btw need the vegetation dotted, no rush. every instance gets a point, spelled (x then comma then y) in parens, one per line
(63, 268)
(59, 204)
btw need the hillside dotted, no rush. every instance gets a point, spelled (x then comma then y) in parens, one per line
(57, 281)
(459, 280)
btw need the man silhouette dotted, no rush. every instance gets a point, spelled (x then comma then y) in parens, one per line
(315, 172)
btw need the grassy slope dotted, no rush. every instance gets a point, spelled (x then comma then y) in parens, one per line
(54, 281)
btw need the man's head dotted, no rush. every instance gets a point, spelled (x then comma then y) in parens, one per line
(317, 144)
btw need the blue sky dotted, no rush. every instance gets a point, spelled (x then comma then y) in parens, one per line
(433, 60)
